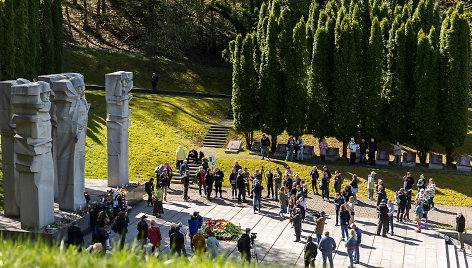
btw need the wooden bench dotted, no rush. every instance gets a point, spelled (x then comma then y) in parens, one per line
(436, 161)
(383, 158)
(409, 160)
(463, 163)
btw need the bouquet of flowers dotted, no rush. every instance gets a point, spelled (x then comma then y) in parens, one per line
(223, 229)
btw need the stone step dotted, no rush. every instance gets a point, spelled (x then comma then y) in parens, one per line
(213, 142)
(219, 127)
(213, 145)
(212, 138)
(218, 132)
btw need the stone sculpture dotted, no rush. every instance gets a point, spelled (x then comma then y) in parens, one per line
(11, 192)
(33, 162)
(117, 87)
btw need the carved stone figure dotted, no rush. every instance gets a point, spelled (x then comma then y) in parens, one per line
(11, 192)
(117, 87)
(33, 162)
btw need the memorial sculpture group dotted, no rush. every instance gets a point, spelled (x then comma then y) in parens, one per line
(43, 134)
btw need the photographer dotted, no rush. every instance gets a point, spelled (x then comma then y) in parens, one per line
(244, 246)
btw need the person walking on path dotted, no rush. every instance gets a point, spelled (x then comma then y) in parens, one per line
(270, 183)
(391, 212)
(421, 184)
(397, 153)
(354, 186)
(358, 242)
(199, 243)
(154, 236)
(283, 202)
(290, 148)
(383, 218)
(323, 148)
(338, 202)
(371, 185)
(158, 197)
(232, 180)
(200, 177)
(154, 80)
(320, 223)
(297, 223)
(278, 182)
(257, 196)
(265, 144)
(314, 174)
(300, 144)
(179, 157)
(149, 188)
(363, 150)
(218, 176)
(351, 246)
(327, 245)
(350, 208)
(344, 218)
(194, 223)
(431, 192)
(418, 214)
(353, 151)
(186, 181)
(311, 250)
(142, 228)
(213, 245)
(401, 201)
(121, 227)
(241, 187)
(460, 228)
(372, 149)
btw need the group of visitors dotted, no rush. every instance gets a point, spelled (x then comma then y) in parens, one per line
(362, 147)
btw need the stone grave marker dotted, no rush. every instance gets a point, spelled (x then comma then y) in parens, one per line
(463, 163)
(309, 150)
(383, 158)
(234, 147)
(332, 154)
(281, 150)
(436, 161)
(256, 148)
(409, 160)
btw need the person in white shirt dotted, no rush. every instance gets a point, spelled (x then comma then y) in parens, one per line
(371, 185)
(353, 149)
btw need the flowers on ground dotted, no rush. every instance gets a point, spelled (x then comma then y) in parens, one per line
(223, 229)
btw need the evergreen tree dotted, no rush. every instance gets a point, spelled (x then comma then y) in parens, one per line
(455, 73)
(426, 97)
(2, 40)
(21, 37)
(261, 32)
(57, 34)
(311, 26)
(46, 39)
(33, 38)
(8, 51)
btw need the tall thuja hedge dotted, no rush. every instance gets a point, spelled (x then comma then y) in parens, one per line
(8, 51)
(56, 15)
(21, 37)
(46, 39)
(33, 39)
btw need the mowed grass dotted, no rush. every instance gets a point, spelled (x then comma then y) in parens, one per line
(158, 125)
(450, 189)
(173, 75)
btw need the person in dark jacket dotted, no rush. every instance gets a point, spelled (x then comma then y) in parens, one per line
(149, 188)
(311, 250)
(421, 183)
(75, 236)
(241, 186)
(338, 202)
(338, 181)
(347, 193)
(232, 180)
(408, 182)
(209, 183)
(270, 183)
(297, 223)
(381, 195)
(265, 144)
(325, 186)
(102, 237)
(358, 242)
(401, 202)
(121, 227)
(344, 218)
(354, 187)
(165, 182)
(245, 250)
(142, 231)
(363, 150)
(154, 80)
(372, 149)
(257, 195)
(383, 218)
(460, 228)
(218, 176)
(194, 223)
(288, 183)
(186, 181)
(314, 179)
(177, 242)
(327, 245)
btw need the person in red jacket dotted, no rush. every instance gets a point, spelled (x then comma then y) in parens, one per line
(154, 235)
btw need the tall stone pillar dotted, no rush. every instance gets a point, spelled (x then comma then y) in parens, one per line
(34, 164)
(11, 192)
(117, 87)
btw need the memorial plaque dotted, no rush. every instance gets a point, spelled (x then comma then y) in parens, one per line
(233, 147)
(332, 154)
(383, 158)
(435, 161)
(409, 160)
(463, 163)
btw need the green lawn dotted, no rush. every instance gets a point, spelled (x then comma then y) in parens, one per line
(173, 75)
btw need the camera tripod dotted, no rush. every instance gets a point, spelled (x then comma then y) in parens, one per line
(254, 253)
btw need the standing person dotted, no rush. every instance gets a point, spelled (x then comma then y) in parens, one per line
(338, 181)
(300, 144)
(75, 236)
(179, 157)
(257, 193)
(270, 183)
(344, 217)
(363, 150)
(244, 246)
(401, 199)
(326, 170)
(246, 177)
(327, 245)
(170, 174)
(241, 187)
(158, 195)
(311, 250)
(218, 175)
(323, 148)
(381, 195)
(431, 192)
(237, 167)
(460, 228)
(372, 149)
(199, 243)
(350, 208)
(338, 202)
(209, 183)
(289, 172)
(383, 218)
(184, 167)
(213, 245)
(408, 182)
(421, 184)
(347, 193)
(232, 180)
(397, 153)
(408, 205)
(297, 223)
(164, 182)
(418, 214)
(154, 236)
(391, 212)
(194, 223)
(371, 185)
(358, 242)
(288, 183)
(186, 181)
(142, 231)
(278, 182)
(354, 186)
(353, 149)
(200, 178)
(265, 143)
(351, 246)
(283, 202)
(154, 80)
(149, 188)
(314, 179)
(121, 227)
(177, 242)
(320, 223)
(291, 148)
(325, 186)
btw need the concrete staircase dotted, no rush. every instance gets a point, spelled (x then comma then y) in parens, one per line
(216, 136)
(229, 116)
(176, 178)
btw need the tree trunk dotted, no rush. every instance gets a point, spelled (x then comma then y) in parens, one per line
(104, 8)
(449, 159)
(85, 14)
(248, 136)
(273, 143)
(97, 15)
(422, 153)
(345, 142)
(69, 26)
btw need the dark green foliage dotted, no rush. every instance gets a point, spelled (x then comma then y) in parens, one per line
(46, 39)
(33, 39)
(423, 17)
(8, 51)
(311, 26)
(57, 34)
(21, 37)
(2, 39)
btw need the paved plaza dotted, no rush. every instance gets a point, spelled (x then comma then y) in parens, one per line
(275, 238)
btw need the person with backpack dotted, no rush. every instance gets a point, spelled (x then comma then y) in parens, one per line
(142, 231)
(244, 246)
(311, 250)
(194, 223)
(401, 201)
(121, 227)
(149, 188)
(154, 236)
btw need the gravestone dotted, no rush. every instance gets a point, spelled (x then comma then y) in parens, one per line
(358, 156)
(463, 163)
(281, 150)
(33, 153)
(436, 161)
(332, 154)
(117, 87)
(383, 158)
(234, 147)
(309, 151)
(409, 160)
(256, 148)
(11, 194)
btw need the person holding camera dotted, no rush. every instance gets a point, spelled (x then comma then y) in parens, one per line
(244, 246)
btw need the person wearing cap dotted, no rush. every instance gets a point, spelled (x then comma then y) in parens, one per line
(320, 223)
(142, 231)
(179, 156)
(265, 143)
(257, 195)
(297, 223)
(460, 228)
(371, 185)
(270, 182)
(194, 223)
(358, 242)
(278, 182)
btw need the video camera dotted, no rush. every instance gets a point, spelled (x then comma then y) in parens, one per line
(317, 214)
(253, 237)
